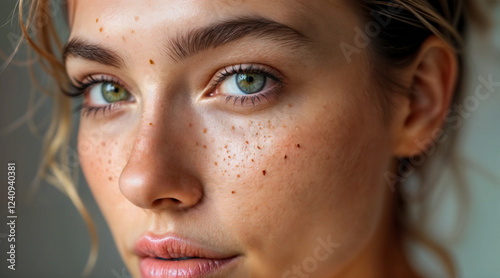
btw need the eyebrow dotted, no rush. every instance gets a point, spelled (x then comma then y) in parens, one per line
(192, 42)
(78, 47)
(188, 44)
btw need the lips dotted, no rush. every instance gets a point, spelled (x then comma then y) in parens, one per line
(170, 256)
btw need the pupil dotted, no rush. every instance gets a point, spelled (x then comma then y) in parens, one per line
(249, 79)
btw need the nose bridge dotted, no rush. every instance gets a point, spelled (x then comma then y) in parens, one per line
(155, 176)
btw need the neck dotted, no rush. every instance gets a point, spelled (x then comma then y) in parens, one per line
(384, 255)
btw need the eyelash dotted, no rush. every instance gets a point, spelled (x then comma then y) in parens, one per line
(81, 88)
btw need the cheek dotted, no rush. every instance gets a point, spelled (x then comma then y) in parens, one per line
(298, 178)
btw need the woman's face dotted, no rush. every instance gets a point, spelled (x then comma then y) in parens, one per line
(238, 127)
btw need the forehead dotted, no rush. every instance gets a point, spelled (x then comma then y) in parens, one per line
(303, 15)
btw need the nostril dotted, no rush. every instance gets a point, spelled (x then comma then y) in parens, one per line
(158, 202)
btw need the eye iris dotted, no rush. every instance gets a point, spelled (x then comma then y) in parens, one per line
(250, 83)
(113, 93)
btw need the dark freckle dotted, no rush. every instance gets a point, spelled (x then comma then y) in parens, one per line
(205, 130)
(215, 163)
(290, 105)
(100, 29)
(131, 32)
(97, 20)
(258, 147)
(150, 123)
(190, 125)
(151, 62)
(264, 172)
(286, 156)
(110, 178)
(136, 18)
(238, 176)
(247, 142)
(298, 146)
(204, 146)
(232, 128)
(253, 160)
(233, 192)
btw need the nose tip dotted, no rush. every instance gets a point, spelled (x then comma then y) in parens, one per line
(147, 192)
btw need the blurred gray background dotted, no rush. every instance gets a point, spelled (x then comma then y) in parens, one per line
(52, 239)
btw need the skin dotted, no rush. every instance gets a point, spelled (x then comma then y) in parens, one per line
(265, 181)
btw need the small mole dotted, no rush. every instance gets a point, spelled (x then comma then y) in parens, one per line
(97, 20)
(136, 18)
(233, 192)
(258, 147)
(264, 172)
(204, 130)
(150, 123)
(253, 160)
(151, 62)
(298, 146)
(286, 156)
(100, 29)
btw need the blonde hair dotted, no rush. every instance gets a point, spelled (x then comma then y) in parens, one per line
(440, 18)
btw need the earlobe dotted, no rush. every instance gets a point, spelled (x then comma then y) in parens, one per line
(433, 76)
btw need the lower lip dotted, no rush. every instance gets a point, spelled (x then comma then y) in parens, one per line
(156, 268)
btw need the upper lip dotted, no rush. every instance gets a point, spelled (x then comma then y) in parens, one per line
(171, 246)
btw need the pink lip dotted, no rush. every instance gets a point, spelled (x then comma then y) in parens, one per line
(169, 256)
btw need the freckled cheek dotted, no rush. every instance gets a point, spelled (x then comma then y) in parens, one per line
(102, 162)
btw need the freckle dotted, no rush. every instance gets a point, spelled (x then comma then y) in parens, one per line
(247, 142)
(233, 192)
(107, 37)
(123, 38)
(97, 20)
(136, 18)
(229, 157)
(298, 146)
(215, 163)
(286, 156)
(258, 147)
(110, 178)
(205, 130)
(290, 105)
(253, 160)
(131, 32)
(204, 146)
(264, 172)
(103, 144)
(100, 29)
(238, 176)
(190, 125)
(197, 144)
(109, 161)
(151, 62)
(232, 128)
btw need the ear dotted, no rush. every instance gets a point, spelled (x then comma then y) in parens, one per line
(432, 75)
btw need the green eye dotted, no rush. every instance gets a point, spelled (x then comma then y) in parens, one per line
(112, 92)
(250, 83)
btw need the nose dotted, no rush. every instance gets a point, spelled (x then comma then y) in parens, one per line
(157, 175)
